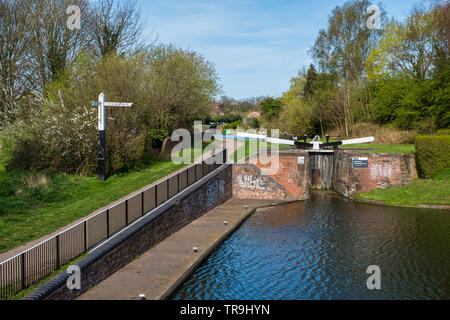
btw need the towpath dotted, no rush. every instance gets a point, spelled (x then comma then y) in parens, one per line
(160, 270)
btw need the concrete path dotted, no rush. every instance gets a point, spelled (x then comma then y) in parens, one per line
(161, 269)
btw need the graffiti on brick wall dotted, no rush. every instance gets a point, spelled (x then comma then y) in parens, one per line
(214, 189)
(221, 186)
(192, 203)
(249, 181)
(380, 171)
(212, 193)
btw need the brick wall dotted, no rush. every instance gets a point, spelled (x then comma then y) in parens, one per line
(184, 208)
(286, 180)
(250, 183)
(292, 180)
(383, 171)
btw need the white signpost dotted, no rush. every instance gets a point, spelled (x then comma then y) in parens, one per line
(101, 104)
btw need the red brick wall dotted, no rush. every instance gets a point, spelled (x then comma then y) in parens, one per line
(291, 180)
(384, 170)
(250, 183)
(286, 179)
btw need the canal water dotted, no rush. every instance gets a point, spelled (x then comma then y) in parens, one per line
(321, 249)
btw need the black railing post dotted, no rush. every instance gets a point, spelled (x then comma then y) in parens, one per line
(156, 195)
(167, 187)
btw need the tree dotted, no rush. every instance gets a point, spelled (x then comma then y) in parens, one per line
(13, 52)
(441, 18)
(409, 47)
(53, 46)
(342, 49)
(116, 26)
(411, 104)
(311, 77)
(271, 108)
(227, 104)
(181, 85)
(345, 44)
(410, 68)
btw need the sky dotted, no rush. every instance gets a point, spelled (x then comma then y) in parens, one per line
(256, 46)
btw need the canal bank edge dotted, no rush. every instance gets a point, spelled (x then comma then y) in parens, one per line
(421, 206)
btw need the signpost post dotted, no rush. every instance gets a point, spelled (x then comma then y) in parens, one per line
(101, 104)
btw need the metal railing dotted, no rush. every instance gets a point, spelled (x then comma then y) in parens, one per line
(30, 266)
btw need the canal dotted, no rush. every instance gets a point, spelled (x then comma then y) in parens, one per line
(321, 248)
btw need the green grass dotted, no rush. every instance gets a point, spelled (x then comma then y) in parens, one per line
(422, 191)
(246, 146)
(376, 148)
(383, 148)
(29, 211)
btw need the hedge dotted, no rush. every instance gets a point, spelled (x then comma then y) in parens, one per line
(432, 154)
(443, 132)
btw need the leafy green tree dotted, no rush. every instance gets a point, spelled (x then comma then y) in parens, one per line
(411, 104)
(409, 47)
(310, 85)
(271, 108)
(345, 44)
(181, 85)
(342, 49)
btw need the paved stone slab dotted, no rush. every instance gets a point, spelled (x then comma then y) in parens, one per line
(161, 269)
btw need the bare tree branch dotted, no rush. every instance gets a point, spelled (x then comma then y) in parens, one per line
(116, 27)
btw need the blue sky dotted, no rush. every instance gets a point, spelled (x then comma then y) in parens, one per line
(257, 46)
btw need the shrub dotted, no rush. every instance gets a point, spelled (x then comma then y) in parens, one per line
(232, 125)
(443, 132)
(433, 155)
(60, 132)
(385, 134)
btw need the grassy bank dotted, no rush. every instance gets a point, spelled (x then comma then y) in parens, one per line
(254, 143)
(377, 148)
(422, 191)
(383, 148)
(33, 205)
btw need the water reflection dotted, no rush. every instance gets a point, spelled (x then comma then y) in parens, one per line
(321, 248)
